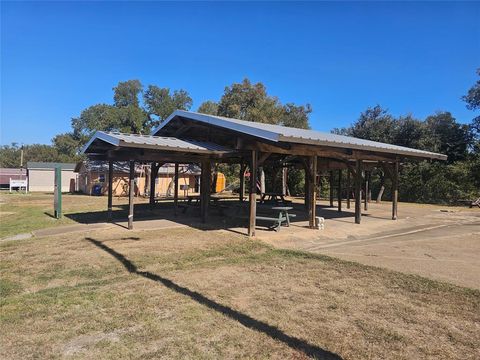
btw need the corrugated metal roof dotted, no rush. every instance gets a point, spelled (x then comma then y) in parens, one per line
(155, 142)
(277, 133)
(49, 165)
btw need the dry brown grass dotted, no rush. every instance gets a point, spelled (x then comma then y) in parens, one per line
(188, 293)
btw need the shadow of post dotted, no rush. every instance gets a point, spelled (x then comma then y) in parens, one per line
(245, 320)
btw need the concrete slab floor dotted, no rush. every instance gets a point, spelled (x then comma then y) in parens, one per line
(441, 243)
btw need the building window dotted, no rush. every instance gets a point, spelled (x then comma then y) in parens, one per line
(101, 178)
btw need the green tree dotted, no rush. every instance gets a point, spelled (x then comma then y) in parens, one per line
(448, 137)
(247, 101)
(161, 103)
(208, 107)
(473, 95)
(126, 93)
(10, 154)
(296, 116)
(97, 117)
(374, 124)
(67, 147)
(410, 132)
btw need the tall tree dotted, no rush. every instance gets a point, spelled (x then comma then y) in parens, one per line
(126, 93)
(96, 117)
(374, 124)
(208, 107)
(67, 147)
(247, 101)
(160, 103)
(473, 103)
(448, 137)
(410, 132)
(251, 102)
(296, 116)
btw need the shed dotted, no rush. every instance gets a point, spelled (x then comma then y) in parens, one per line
(41, 176)
(95, 172)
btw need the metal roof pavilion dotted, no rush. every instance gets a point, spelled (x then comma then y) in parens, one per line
(187, 137)
(278, 133)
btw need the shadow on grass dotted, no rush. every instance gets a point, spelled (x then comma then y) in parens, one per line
(244, 319)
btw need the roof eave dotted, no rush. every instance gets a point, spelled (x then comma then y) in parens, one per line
(217, 121)
(421, 155)
(100, 135)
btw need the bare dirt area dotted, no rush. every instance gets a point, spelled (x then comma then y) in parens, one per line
(198, 294)
(438, 242)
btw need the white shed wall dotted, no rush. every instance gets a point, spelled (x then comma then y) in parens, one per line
(43, 180)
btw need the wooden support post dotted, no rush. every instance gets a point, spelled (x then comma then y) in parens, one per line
(358, 192)
(131, 192)
(110, 189)
(205, 189)
(307, 188)
(395, 191)
(284, 181)
(366, 191)
(253, 194)
(369, 194)
(175, 190)
(242, 182)
(153, 176)
(331, 188)
(349, 189)
(312, 207)
(339, 190)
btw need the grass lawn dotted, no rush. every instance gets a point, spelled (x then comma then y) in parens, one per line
(187, 293)
(21, 213)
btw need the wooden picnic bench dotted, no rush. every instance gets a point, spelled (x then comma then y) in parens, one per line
(276, 221)
(273, 197)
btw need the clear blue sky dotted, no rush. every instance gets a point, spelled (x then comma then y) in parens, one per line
(58, 58)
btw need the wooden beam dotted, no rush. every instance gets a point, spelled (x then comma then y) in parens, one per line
(366, 191)
(242, 182)
(253, 194)
(308, 180)
(358, 192)
(312, 192)
(339, 190)
(262, 157)
(349, 188)
(205, 189)
(153, 176)
(331, 188)
(369, 192)
(131, 192)
(395, 191)
(175, 190)
(110, 189)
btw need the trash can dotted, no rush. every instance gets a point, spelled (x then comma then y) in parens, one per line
(97, 190)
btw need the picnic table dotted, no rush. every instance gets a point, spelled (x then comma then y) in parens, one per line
(283, 211)
(272, 196)
(194, 200)
(277, 221)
